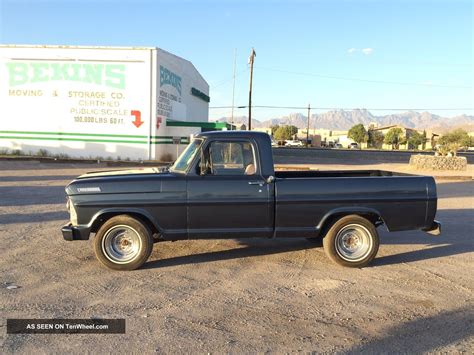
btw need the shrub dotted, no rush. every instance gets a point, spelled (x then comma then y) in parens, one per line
(453, 141)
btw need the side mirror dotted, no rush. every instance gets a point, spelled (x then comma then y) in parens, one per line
(270, 179)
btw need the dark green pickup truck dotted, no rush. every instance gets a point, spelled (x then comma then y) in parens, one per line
(224, 186)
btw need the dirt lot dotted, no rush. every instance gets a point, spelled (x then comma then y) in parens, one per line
(234, 295)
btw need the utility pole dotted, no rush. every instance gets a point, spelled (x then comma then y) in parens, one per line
(307, 130)
(233, 94)
(251, 59)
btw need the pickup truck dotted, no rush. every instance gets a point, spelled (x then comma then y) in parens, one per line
(224, 185)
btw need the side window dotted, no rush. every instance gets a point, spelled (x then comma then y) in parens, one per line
(232, 158)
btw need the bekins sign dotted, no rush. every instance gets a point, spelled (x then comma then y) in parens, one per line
(110, 75)
(167, 77)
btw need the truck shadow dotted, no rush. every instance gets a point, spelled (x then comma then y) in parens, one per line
(423, 335)
(251, 248)
(456, 239)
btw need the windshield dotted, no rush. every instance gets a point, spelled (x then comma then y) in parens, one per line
(186, 157)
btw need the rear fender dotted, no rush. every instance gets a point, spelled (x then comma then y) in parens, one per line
(337, 213)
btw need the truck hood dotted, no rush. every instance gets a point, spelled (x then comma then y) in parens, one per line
(140, 171)
(120, 182)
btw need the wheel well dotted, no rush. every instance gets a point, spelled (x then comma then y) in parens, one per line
(108, 215)
(374, 218)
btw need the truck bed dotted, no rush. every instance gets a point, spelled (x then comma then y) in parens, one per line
(335, 173)
(304, 198)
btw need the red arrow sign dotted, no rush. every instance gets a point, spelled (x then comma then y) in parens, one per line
(138, 118)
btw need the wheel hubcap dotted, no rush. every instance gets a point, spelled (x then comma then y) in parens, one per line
(353, 242)
(121, 244)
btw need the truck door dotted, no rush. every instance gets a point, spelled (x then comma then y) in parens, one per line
(230, 199)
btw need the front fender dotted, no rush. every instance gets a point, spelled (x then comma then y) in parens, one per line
(108, 212)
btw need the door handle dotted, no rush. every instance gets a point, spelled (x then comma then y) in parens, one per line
(260, 183)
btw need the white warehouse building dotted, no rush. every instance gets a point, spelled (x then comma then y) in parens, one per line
(90, 102)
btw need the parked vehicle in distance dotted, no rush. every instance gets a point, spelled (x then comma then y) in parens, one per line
(338, 146)
(294, 143)
(353, 146)
(224, 186)
(274, 143)
(326, 144)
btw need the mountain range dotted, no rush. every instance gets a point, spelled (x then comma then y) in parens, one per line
(344, 120)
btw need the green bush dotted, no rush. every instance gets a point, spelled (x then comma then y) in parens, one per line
(285, 132)
(453, 141)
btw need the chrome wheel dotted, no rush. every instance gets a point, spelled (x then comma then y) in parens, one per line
(353, 242)
(121, 244)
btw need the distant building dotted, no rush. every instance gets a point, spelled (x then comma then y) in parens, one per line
(407, 133)
(373, 125)
(267, 130)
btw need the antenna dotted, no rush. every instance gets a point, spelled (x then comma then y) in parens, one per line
(233, 94)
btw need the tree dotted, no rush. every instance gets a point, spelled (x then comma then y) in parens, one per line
(416, 139)
(285, 132)
(453, 141)
(274, 128)
(425, 139)
(394, 137)
(375, 139)
(358, 133)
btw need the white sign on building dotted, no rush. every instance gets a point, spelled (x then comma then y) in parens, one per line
(97, 101)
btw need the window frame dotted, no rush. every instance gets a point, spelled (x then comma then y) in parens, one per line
(205, 152)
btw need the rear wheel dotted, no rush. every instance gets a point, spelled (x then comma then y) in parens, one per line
(352, 241)
(123, 243)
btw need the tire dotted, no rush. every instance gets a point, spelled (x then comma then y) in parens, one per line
(123, 243)
(352, 241)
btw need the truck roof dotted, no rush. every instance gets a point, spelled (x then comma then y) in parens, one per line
(240, 134)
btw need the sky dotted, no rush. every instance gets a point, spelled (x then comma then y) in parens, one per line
(330, 54)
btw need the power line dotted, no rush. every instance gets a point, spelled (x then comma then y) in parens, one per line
(347, 108)
(225, 81)
(365, 80)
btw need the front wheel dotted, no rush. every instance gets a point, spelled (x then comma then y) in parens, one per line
(123, 243)
(352, 241)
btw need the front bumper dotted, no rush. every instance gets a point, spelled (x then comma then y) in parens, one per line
(71, 232)
(434, 229)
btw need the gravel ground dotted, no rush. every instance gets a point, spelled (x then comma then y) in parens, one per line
(240, 296)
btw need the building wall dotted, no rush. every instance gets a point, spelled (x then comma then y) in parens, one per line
(96, 101)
